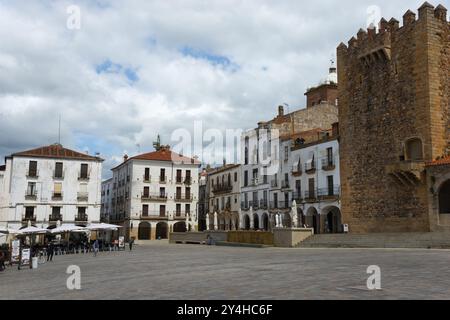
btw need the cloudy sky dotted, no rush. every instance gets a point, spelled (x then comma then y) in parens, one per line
(138, 68)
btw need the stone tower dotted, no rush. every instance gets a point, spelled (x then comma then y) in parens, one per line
(394, 117)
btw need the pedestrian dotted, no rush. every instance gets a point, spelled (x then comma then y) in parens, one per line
(2, 260)
(95, 248)
(50, 251)
(131, 244)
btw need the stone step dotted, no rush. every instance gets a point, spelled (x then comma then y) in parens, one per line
(389, 240)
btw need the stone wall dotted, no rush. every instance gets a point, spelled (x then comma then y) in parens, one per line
(393, 86)
(251, 237)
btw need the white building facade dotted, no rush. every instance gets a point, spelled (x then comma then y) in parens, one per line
(50, 184)
(154, 194)
(224, 198)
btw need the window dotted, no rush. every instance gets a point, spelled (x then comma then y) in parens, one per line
(31, 190)
(146, 192)
(414, 151)
(255, 173)
(286, 153)
(330, 181)
(311, 184)
(188, 193)
(58, 170)
(235, 177)
(188, 208)
(179, 176)
(188, 176)
(56, 213)
(162, 175)
(275, 200)
(84, 171)
(178, 195)
(330, 156)
(145, 210)
(162, 211)
(162, 192)
(147, 174)
(57, 190)
(178, 210)
(245, 178)
(29, 213)
(32, 169)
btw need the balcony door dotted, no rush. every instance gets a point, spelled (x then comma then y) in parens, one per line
(312, 187)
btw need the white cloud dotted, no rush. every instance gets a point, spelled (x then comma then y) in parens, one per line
(278, 49)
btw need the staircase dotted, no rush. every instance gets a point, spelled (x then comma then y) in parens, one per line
(428, 240)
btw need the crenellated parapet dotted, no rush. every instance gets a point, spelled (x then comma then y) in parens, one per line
(374, 45)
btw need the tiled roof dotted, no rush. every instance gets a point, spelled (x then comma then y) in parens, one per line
(55, 151)
(164, 154)
(439, 162)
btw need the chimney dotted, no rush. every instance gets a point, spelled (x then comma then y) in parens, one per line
(125, 158)
(280, 111)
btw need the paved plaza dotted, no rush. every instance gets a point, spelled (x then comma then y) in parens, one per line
(200, 272)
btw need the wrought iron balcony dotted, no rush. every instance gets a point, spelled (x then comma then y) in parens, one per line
(32, 174)
(31, 195)
(57, 196)
(274, 183)
(328, 164)
(27, 218)
(180, 197)
(158, 196)
(297, 196)
(81, 217)
(245, 206)
(222, 188)
(329, 193)
(55, 217)
(310, 196)
(263, 204)
(310, 168)
(147, 178)
(163, 179)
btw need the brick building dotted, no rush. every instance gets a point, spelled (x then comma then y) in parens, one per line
(394, 119)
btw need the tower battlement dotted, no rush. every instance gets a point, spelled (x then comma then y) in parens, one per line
(373, 44)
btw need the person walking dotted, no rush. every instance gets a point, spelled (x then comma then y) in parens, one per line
(131, 244)
(50, 251)
(95, 248)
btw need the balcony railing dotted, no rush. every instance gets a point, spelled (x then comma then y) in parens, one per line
(310, 168)
(179, 180)
(57, 196)
(328, 164)
(329, 193)
(55, 217)
(81, 217)
(274, 183)
(31, 218)
(222, 188)
(183, 197)
(263, 204)
(256, 182)
(162, 179)
(245, 205)
(82, 196)
(280, 205)
(254, 204)
(297, 170)
(310, 195)
(188, 180)
(147, 178)
(182, 214)
(83, 177)
(33, 174)
(297, 196)
(158, 196)
(31, 195)
(285, 184)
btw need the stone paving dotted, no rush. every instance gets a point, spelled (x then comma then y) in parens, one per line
(199, 272)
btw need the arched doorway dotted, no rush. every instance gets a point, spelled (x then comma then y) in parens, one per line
(313, 220)
(144, 231)
(246, 222)
(444, 198)
(255, 221)
(333, 221)
(265, 221)
(161, 230)
(179, 227)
